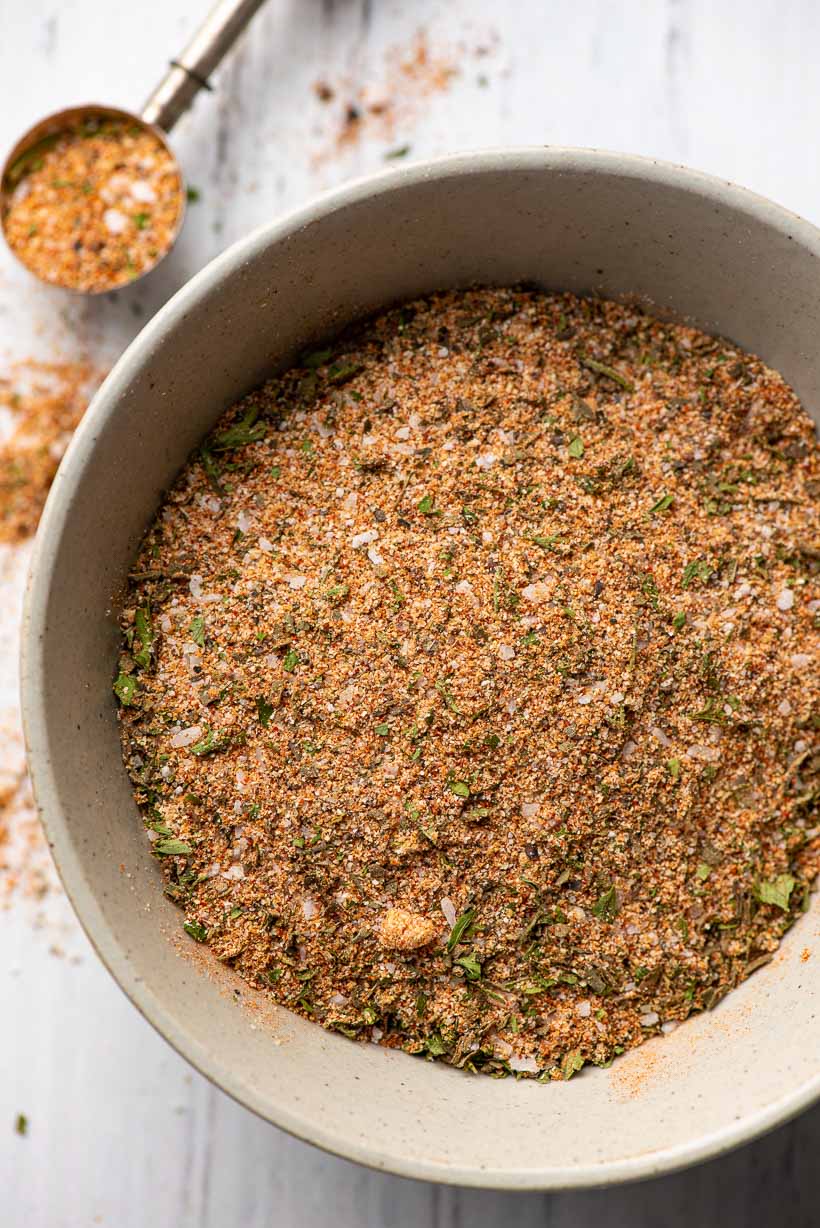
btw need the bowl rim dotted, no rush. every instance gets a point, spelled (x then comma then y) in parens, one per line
(45, 786)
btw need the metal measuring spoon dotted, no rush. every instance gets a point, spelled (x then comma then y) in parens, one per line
(187, 75)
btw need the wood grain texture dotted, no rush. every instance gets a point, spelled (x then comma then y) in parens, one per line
(121, 1131)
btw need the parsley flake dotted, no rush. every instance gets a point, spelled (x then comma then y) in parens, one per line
(460, 928)
(776, 891)
(172, 848)
(142, 626)
(699, 569)
(208, 745)
(607, 906)
(601, 368)
(663, 505)
(572, 1063)
(471, 966)
(241, 433)
(125, 689)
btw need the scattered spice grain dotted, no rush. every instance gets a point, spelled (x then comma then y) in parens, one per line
(93, 206)
(44, 403)
(456, 689)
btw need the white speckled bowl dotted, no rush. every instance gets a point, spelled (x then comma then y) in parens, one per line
(569, 219)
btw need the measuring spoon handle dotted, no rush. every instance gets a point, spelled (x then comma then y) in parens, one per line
(190, 71)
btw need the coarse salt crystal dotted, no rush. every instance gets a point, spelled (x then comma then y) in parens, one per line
(785, 599)
(143, 191)
(784, 707)
(710, 754)
(448, 908)
(660, 736)
(243, 522)
(117, 185)
(375, 558)
(403, 432)
(617, 697)
(506, 652)
(321, 427)
(296, 581)
(584, 1009)
(185, 737)
(536, 593)
(309, 908)
(649, 1019)
(669, 1027)
(265, 545)
(800, 660)
(364, 539)
(234, 872)
(530, 809)
(486, 460)
(527, 1064)
(339, 999)
(114, 221)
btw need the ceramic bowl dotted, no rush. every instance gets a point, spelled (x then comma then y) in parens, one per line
(689, 246)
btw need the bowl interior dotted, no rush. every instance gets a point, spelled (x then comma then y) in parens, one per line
(686, 244)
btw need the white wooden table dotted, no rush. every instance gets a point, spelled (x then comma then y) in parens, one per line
(121, 1132)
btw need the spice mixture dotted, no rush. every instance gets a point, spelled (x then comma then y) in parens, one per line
(44, 403)
(94, 206)
(467, 686)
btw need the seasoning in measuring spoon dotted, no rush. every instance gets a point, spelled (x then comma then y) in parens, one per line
(93, 206)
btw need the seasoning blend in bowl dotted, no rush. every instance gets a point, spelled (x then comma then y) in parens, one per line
(95, 204)
(466, 682)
